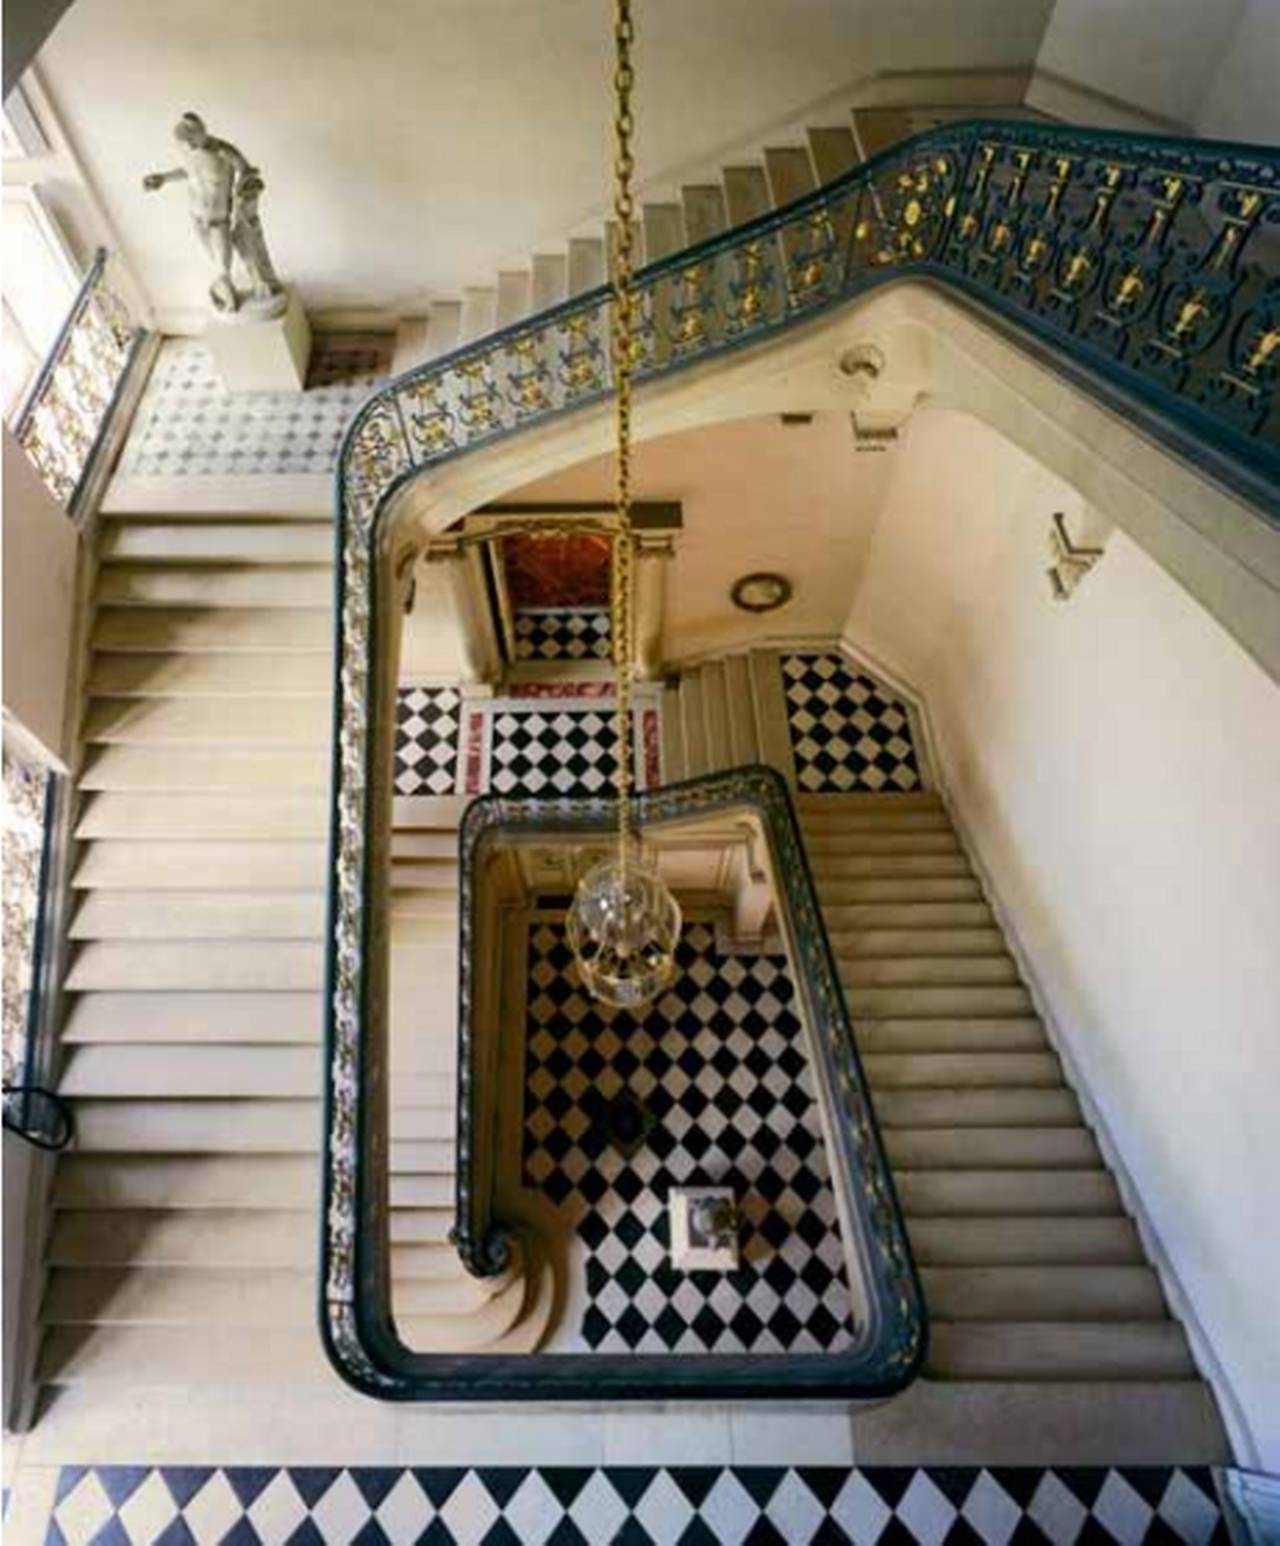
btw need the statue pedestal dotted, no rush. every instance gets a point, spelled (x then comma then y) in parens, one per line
(262, 356)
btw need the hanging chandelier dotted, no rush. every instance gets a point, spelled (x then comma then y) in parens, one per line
(624, 925)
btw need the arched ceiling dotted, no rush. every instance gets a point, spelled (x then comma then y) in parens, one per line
(411, 147)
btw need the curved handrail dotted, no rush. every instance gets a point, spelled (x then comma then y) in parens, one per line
(1146, 268)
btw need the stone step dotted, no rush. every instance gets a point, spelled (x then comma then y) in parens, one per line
(213, 630)
(839, 842)
(194, 966)
(942, 1035)
(704, 210)
(1043, 1423)
(1012, 1107)
(225, 1238)
(945, 971)
(834, 152)
(550, 280)
(1092, 1293)
(886, 816)
(789, 172)
(258, 722)
(836, 895)
(217, 585)
(219, 915)
(992, 1148)
(185, 542)
(586, 267)
(864, 801)
(479, 309)
(924, 942)
(184, 1181)
(830, 870)
(1058, 1350)
(183, 1072)
(201, 867)
(245, 674)
(1033, 1194)
(980, 1001)
(513, 296)
(973, 1241)
(172, 1018)
(271, 1296)
(198, 1127)
(663, 226)
(746, 193)
(961, 1071)
(207, 769)
(228, 1357)
(202, 817)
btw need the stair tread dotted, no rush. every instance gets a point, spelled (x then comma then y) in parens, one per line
(174, 1018)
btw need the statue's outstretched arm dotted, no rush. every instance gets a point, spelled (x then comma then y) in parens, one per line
(154, 180)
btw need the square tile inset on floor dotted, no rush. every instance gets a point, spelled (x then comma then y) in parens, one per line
(557, 751)
(428, 720)
(714, 1081)
(563, 633)
(189, 424)
(847, 731)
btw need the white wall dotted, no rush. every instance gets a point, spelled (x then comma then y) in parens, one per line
(1242, 102)
(1161, 64)
(756, 495)
(39, 598)
(1117, 762)
(410, 149)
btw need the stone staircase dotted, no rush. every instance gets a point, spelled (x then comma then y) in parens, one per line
(1039, 1290)
(183, 1241)
(691, 214)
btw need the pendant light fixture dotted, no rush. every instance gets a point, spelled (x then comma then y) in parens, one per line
(624, 925)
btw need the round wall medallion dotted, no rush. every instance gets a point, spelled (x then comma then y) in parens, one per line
(761, 592)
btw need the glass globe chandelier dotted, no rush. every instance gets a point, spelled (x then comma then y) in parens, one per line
(624, 925)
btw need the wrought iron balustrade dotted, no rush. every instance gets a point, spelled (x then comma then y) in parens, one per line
(64, 419)
(887, 1350)
(1145, 269)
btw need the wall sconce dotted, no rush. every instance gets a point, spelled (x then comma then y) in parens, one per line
(1070, 563)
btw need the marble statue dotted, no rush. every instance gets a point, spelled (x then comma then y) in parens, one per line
(224, 191)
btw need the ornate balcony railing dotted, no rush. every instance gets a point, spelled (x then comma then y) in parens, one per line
(66, 414)
(887, 1350)
(1147, 270)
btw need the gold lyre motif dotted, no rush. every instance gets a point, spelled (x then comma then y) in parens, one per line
(1077, 268)
(1189, 313)
(1130, 288)
(1267, 345)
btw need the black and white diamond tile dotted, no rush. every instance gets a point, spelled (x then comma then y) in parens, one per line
(428, 723)
(717, 1063)
(188, 424)
(847, 731)
(553, 751)
(643, 1505)
(563, 633)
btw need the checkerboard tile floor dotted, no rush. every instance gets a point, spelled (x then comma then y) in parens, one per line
(428, 721)
(639, 1505)
(188, 424)
(570, 633)
(569, 751)
(717, 1063)
(847, 731)
(520, 745)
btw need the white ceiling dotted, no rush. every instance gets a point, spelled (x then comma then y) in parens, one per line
(411, 147)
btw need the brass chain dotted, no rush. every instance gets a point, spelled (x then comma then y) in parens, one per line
(622, 572)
